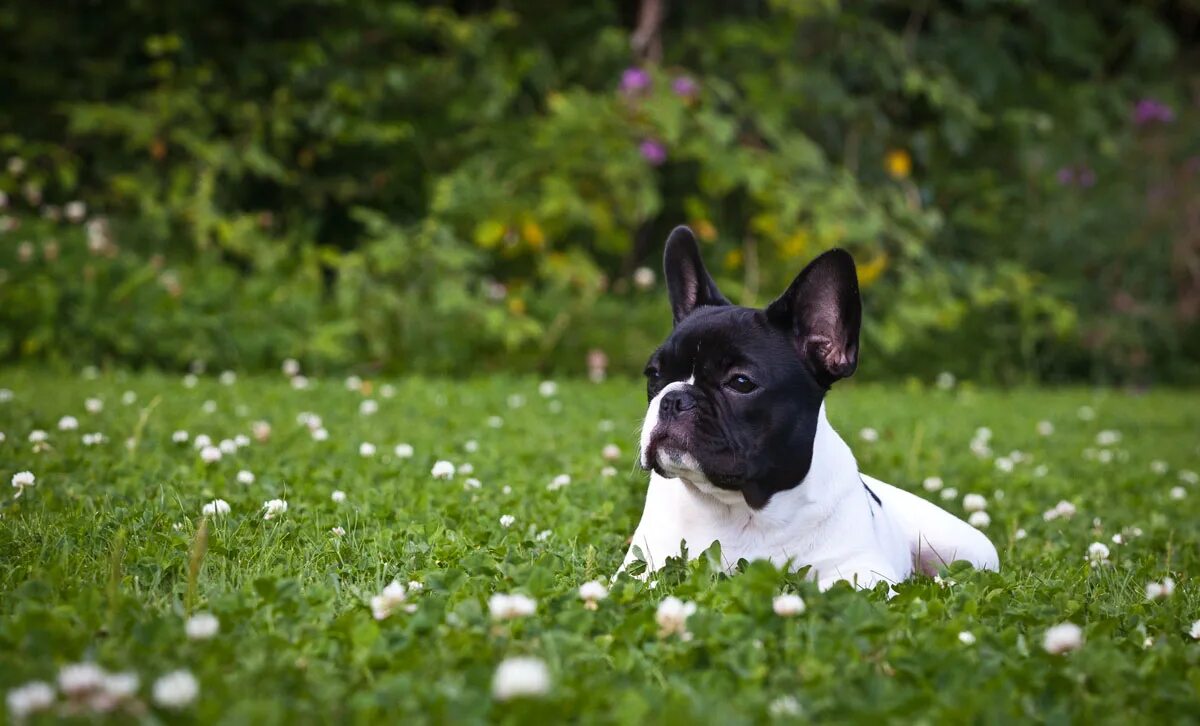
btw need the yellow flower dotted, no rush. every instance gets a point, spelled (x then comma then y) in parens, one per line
(898, 163)
(870, 271)
(733, 259)
(705, 230)
(533, 234)
(489, 233)
(516, 306)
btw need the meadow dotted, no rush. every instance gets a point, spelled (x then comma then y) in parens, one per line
(154, 559)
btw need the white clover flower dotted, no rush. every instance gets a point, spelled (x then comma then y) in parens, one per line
(129, 398)
(672, 616)
(179, 437)
(520, 677)
(592, 592)
(354, 383)
(472, 483)
(784, 707)
(308, 419)
(442, 470)
(949, 494)
(404, 451)
(516, 400)
(471, 446)
(787, 605)
(320, 435)
(495, 422)
(210, 454)
(6, 395)
(209, 406)
(1158, 466)
(241, 440)
(544, 535)
(465, 468)
(932, 483)
(1118, 539)
(506, 489)
(1178, 493)
(29, 698)
(190, 380)
(338, 496)
(643, 278)
(1041, 470)
(1063, 509)
(1104, 456)
(611, 452)
(228, 446)
(387, 390)
(1160, 590)
(245, 477)
(1195, 631)
(1045, 428)
(338, 532)
(78, 679)
(606, 425)
(202, 441)
(979, 519)
(176, 689)
(1086, 413)
(260, 430)
(299, 383)
(559, 482)
(2, 437)
(227, 378)
(1108, 437)
(966, 637)
(608, 471)
(37, 436)
(273, 508)
(202, 626)
(366, 449)
(369, 407)
(1188, 476)
(93, 405)
(945, 380)
(1063, 638)
(980, 448)
(23, 479)
(290, 367)
(511, 607)
(1004, 464)
(383, 604)
(869, 435)
(1097, 554)
(215, 508)
(120, 686)
(974, 502)
(548, 388)
(507, 520)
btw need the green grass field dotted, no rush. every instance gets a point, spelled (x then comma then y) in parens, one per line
(106, 556)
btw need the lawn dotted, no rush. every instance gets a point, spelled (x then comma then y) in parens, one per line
(107, 555)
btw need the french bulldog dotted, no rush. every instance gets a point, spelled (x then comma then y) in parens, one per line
(741, 452)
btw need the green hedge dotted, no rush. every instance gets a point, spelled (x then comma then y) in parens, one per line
(452, 187)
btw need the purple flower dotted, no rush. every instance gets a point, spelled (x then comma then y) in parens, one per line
(653, 152)
(1066, 176)
(634, 80)
(1148, 111)
(1086, 177)
(685, 86)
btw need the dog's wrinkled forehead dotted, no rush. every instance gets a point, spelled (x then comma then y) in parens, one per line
(715, 339)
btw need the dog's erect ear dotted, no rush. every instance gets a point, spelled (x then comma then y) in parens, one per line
(823, 310)
(688, 284)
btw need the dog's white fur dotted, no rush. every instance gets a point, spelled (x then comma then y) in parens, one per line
(830, 521)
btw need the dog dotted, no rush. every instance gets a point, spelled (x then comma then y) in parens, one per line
(740, 450)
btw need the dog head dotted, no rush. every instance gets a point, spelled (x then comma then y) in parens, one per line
(735, 393)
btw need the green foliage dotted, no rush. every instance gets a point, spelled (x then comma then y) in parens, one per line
(452, 187)
(96, 560)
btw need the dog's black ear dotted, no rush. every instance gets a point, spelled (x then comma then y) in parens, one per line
(688, 284)
(823, 310)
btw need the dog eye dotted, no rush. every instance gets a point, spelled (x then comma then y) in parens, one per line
(651, 372)
(741, 384)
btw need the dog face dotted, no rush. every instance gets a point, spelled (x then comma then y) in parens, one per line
(734, 393)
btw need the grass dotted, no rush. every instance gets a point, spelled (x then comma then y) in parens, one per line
(105, 558)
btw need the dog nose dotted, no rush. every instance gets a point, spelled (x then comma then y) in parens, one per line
(675, 403)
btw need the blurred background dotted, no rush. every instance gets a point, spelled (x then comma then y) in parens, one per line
(476, 187)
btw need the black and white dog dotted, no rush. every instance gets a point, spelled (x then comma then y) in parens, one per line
(741, 451)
